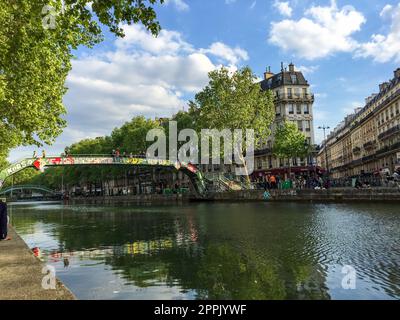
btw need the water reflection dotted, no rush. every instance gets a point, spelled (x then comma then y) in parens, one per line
(218, 251)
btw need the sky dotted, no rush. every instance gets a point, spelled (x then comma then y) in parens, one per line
(345, 49)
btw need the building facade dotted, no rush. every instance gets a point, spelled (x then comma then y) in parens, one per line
(293, 102)
(367, 142)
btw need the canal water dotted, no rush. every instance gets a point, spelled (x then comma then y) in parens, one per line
(218, 250)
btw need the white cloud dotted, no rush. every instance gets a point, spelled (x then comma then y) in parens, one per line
(322, 32)
(252, 6)
(230, 1)
(352, 107)
(307, 70)
(384, 48)
(138, 39)
(283, 7)
(140, 75)
(180, 5)
(232, 55)
(386, 11)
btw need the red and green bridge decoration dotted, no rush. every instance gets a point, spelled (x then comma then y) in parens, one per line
(194, 174)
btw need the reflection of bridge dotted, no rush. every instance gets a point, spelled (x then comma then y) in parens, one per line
(26, 187)
(190, 170)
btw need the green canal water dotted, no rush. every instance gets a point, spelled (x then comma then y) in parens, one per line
(218, 250)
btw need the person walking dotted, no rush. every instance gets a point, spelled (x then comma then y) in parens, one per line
(3, 221)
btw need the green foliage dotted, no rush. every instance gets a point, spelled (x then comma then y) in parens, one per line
(26, 176)
(234, 102)
(290, 142)
(100, 145)
(131, 137)
(35, 61)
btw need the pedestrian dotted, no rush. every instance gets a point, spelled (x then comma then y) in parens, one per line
(3, 220)
(117, 154)
(272, 182)
(34, 154)
(44, 154)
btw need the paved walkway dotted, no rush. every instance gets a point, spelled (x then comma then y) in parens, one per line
(21, 274)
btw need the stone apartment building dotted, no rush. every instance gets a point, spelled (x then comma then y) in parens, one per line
(367, 141)
(293, 102)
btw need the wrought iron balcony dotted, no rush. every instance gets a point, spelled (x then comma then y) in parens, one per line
(370, 144)
(262, 151)
(389, 133)
(294, 96)
(388, 148)
(357, 150)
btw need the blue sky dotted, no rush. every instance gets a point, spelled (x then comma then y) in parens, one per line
(344, 47)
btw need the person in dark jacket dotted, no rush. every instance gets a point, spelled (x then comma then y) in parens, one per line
(3, 220)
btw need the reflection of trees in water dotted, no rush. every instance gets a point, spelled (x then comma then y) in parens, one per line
(207, 253)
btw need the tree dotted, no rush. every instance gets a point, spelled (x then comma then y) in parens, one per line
(234, 101)
(36, 44)
(131, 137)
(290, 142)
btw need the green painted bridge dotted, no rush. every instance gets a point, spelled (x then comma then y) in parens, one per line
(194, 174)
(13, 188)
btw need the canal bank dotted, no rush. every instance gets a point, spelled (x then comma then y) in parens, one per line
(305, 195)
(21, 273)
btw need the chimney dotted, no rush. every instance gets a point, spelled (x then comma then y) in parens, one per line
(397, 73)
(268, 74)
(291, 67)
(383, 86)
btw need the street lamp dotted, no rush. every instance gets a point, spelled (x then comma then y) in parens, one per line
(326, 148)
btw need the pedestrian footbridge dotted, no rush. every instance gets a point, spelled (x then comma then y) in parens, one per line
(195, 175)
(13, 188)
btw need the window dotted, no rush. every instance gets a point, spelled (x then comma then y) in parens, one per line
(300, 125)
(308, 127)
(298, 109)
(306, 109)
(304, 92)
(291, 108)
(294, 78)
(278, 110)
(289, 92)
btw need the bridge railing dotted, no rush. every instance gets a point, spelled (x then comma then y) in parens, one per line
(108, 155)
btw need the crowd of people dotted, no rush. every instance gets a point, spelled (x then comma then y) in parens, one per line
(117, 155)
(271, 181)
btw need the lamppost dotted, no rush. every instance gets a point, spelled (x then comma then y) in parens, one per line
(326, 148)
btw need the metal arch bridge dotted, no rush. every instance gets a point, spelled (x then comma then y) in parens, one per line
(194, 174)
(26, 187)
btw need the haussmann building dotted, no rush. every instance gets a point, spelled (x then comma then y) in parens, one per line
(367, 142)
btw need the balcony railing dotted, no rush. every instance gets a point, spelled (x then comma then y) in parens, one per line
(357, 150)
(389, 133)
(388, 148)
(262, 151)
(369, 144)
(293, 96)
